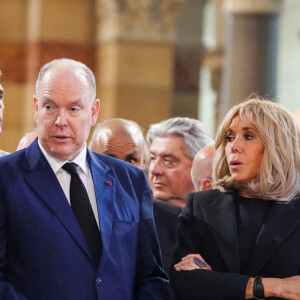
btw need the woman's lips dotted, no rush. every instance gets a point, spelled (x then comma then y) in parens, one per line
(235, 164)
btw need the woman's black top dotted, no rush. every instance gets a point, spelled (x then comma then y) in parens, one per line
(251, 214)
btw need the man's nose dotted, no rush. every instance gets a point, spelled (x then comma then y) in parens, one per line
(62, 119)
(155, 167)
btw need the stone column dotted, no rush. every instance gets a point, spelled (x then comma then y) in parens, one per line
(213, 61)
(250, 50)
(12, 52)
(135, 55)
(33, 33)
(189, 53)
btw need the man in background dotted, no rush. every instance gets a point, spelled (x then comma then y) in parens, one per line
(173, 146)
(27, 139)
(2, 153)
(202, 168)
(123, 139)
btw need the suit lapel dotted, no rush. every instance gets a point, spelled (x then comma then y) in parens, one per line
(282, 219)
(43, 181)
(221, 217)
(105, 190)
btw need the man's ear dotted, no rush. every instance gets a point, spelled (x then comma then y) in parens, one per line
(206, 184)
(35, 107)
(95, 111)
(144, 162)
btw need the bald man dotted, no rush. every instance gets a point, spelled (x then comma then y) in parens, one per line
(123, 139)
(27, 139)
(202, 168)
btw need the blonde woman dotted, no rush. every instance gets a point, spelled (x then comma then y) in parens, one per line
(241, 240)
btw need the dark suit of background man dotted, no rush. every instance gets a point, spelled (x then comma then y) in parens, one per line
(43, 251)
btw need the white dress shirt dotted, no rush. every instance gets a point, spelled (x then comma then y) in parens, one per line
(64, 177)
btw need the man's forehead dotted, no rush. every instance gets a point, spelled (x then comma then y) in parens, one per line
(174, 147)
(171, 143)
(120, 135)
(60, 75)
(126, 142)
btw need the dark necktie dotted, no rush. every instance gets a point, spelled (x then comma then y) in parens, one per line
(83, 212)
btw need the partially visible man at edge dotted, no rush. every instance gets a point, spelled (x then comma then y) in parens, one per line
(2, 153)
(173, 146)
(123, 139)
(202, 168)
(46, 248)
(27, 139)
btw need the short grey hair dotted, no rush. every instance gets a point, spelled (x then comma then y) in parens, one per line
(65, 63)
(193, 132)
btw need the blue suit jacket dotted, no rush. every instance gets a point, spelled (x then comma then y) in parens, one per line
(43, 254)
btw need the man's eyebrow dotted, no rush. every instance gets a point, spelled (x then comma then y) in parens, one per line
(109, 154)
(170, 156)
(76, 102)
(131, 155)
(167, 155)
(46, 100)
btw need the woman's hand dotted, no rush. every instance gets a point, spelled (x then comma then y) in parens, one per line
(290, 287)
(192, 262)
(286, 288)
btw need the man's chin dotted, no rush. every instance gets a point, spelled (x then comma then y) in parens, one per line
(62, 153)
(161, 196)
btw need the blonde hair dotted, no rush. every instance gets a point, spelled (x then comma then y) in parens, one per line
(279, 174)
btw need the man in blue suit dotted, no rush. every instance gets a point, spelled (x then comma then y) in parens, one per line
(123, 139)
(44, 253)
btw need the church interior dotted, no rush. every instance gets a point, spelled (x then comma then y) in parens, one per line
(153, 59)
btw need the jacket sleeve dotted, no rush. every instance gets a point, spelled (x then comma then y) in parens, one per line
(201, 284)
(152, 279)
(7, 291)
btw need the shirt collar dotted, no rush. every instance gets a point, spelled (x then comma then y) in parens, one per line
(56, 164)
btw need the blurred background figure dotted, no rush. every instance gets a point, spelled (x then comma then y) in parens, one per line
(232, 238)
(173, 146)
(202, 168)
(2, 153)
(123, 139)
(27, 139)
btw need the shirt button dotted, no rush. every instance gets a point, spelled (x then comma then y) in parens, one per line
(98, 280)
